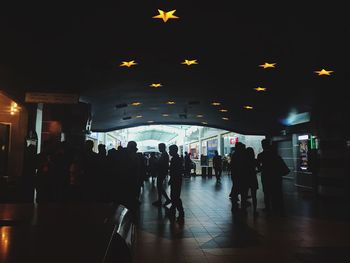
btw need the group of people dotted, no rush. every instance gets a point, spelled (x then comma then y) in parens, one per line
(244, 168)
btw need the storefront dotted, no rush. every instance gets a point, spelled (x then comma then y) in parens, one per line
(194, 150)
(13, 132)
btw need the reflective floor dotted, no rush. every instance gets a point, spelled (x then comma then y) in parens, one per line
(311, 231)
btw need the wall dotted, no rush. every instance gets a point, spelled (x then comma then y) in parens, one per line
(18, 132)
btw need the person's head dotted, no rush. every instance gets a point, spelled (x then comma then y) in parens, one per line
(153, 154)
(120, 148)
(132, 147)
(102, 149)
(265, 144)
(186, 153)
(250, 153)
(161, 147)
(89, 145)
(216, 153)
(173, 149)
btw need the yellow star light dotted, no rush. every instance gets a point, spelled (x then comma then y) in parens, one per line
(166, 15)
(324, 72)
(156, 85)
(170, 102)
(225, 119)
(268, 65)
(128, 63)
(214, 103)
(260, 89)
(189, 62)
(136, 103)
(223, 110)
(248, 107)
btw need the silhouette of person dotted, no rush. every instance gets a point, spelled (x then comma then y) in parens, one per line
(175, 182)
(217, 164)
(29, 173)
(252, 166)
(266, 172)
(188, 162)
(162, 172)
(152, 166)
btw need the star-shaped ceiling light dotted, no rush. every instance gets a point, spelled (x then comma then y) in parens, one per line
(156, 85)
(138, 116)
(223, 110)
(247, 107)
(136, 103)
(200, 116)
(324, 72)
(267, 65)
(260, 89)
(165, 115)
(204, 122)
(189, 62)
(170, 102)
(165, 16)
(225, 119)
(215, 103)
(128, 63)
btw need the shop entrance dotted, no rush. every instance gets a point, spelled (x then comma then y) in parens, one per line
(4, 148)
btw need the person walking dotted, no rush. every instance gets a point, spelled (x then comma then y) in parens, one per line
(217, 164)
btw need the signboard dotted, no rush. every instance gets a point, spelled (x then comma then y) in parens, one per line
(51, 98)
(303, 151)
(212, 146)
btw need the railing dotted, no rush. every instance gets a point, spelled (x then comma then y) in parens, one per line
(120, 246)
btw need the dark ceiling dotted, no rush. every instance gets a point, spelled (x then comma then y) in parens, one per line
(79, 50)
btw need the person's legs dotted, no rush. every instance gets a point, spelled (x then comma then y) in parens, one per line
(254, 199)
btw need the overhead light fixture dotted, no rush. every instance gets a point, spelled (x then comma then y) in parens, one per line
(225, 119)
(200, 116)
(138, 116)
(260, 89)
(150, 121)
(156, 85)
(128, 63)
(165, 16)
(204, 122)
(136, 103)
(165, 115)
(170, 102)
(247, 107)
(189, 62)
(324, 72)
(223, 110)
(268, 65)
(215, 103)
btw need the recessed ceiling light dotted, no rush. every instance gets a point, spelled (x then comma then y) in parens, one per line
(136, 103)
(128, 63)
(165, 115)
(156, 85)
(259, 89)
(247, 107)
(215, 103)
(189, 62)
(204, 122)
(171, 102)
(324, 72)
(165, 16)
(225, 119)
(223, 110)
(267, 65)
(138, 116)
(200, 116)
(150, 121)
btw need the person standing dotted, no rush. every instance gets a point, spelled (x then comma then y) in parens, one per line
(217, 164)
(176, 169)
(252, 165)
(162, 167)
(188, 162)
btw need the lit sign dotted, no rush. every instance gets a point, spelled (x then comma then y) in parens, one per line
(303, 137)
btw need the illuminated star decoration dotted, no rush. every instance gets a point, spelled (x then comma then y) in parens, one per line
(189, 62)
(166, 15)
(128, 63)
(260, 89)
(248, 107)
(324, 72)
(156, 85)
(268, 65)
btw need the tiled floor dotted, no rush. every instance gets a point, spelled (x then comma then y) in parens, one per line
(310, 232)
